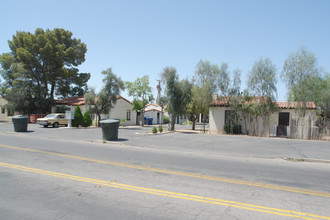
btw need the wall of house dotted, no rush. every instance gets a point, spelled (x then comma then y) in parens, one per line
(120, 110)
(153, 114)
(259, 126)
(217, 120)
(304, 127)
(300, 127)
(3, 111)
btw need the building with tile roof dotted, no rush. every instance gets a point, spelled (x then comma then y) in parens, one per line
(285, 122)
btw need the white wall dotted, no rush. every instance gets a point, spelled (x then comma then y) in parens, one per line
(3, 115)
(299, 126)
(120, 110)
(153, 114)
(217, 120)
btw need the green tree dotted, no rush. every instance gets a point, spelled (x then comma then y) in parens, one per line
(45, 63)
(192, 107)
(174, 94)
(78, 118)
(162, 102)
(102, 102)
(262, 86)
(206, 74)
(87, 119)
(262, 83)
(299, 72)
(141, 91)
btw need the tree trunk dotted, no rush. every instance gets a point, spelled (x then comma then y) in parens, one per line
(98, 119)
(194, 124)
(173, 122)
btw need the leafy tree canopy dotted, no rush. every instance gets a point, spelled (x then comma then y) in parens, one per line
(306, 81)
(141, 91)
(40, 66)
(102, 102)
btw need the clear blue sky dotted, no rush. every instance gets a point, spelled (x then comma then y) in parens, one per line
(137, 38)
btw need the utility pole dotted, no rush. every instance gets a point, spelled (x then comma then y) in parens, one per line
(159, 90)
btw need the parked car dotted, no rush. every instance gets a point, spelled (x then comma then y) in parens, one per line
(53, 119)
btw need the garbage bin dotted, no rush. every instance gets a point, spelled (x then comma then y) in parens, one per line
(150, 121)
(110, 129)
(20, 123)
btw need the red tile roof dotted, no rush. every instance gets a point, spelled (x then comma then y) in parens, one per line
(79, 100)
(292, 105)
(225, 102)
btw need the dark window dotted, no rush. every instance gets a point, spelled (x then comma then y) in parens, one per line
(229, 116)
(128, 115)
(284, 119)
(10, 112)
(3, 110)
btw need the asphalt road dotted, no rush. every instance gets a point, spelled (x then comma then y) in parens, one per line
(70, 173)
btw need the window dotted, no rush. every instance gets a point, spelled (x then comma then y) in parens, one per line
(3, 110)
(228, 116)
(128, 115)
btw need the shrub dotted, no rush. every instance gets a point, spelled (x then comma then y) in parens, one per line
(87, 119)
(187, 123)
(166, 119)
(226, 127)
(160, 129)
(123, 121)
(237, 129)
(78, 118)
(154, 130)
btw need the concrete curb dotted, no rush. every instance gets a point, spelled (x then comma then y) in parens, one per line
(311, 160)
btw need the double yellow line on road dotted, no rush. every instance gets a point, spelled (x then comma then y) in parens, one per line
(246, 206)
(179, 173)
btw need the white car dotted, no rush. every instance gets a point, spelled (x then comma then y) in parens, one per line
(55, 120)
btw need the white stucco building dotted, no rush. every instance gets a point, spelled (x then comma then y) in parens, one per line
(5, 115)
(286, 122)
(121, 110)
(155, 112)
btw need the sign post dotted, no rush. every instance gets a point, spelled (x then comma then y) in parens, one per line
(70, 116)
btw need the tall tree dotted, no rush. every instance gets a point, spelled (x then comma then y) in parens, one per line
(262, 83)
(140, 90)
(102, 102)
(46, 63)
(230, 94)
(299, 70)
(206, 74)
(223, 80)
(175, 93)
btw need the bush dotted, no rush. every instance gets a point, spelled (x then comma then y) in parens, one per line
(237, 129)
(187, 123)
(160, 129)
(123, 121)
(166, 119)
(78, 118)
(87, 119)
(154, 130)
(226, 127)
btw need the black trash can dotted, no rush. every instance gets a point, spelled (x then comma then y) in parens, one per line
(110, 129)
(20, 123)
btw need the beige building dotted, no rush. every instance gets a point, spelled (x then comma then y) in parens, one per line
(5, 115)
(286, 122)
(121, 110)
(155, 112)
